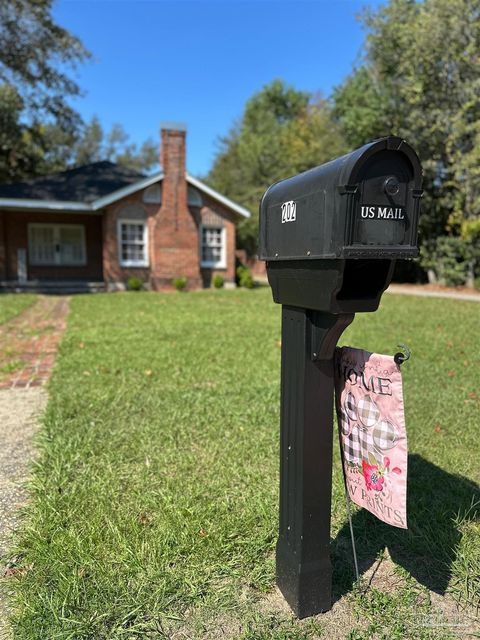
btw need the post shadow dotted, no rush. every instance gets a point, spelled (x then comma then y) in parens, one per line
(427, 548)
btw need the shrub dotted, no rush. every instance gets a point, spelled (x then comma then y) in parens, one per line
(245, 278)
(180, 283)
(134, 284)
(449, 257)
(218, 281)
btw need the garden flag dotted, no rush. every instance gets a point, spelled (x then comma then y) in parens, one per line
(373, 440)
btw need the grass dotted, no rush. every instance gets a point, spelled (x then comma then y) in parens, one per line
(154, 499)
(11, 304)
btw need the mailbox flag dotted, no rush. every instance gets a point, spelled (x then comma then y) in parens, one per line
(373, 439)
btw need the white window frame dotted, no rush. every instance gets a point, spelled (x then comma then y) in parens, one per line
(57, 262)
(210, 264)
(132, 263)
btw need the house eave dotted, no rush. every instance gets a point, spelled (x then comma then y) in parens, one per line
(218, 196)
(110, 198)
(45, 205)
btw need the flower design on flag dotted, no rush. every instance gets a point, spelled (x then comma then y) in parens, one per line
(373, 477)
(368, 412)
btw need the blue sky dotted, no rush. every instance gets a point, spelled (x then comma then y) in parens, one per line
(199, 61)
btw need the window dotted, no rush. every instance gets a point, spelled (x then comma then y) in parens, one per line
(56, 245)
(213, 247)
(133, 243)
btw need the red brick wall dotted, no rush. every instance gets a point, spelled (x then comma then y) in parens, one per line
(214, 213)
(113, 272)
(174, 245)
(15, 232)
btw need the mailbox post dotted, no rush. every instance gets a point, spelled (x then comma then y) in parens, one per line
(330, 238)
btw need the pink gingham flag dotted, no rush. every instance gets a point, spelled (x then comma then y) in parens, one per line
(373, 439)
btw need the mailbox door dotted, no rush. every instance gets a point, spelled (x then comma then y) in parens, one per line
(383, 207)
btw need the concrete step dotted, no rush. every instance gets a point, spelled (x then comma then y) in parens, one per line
(52, 286)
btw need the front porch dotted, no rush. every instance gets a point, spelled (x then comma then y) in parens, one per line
(50, 251)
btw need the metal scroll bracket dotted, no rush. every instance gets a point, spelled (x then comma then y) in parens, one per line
(400, 357)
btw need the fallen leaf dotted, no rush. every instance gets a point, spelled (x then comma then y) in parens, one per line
(451, 373)
(438, 428)
(11, 572)
(472, 395)
(203, 533)
(81, 345)
(144, 519)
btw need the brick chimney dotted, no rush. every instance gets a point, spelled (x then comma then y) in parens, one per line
(175, 242)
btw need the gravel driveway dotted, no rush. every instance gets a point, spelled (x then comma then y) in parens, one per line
(19, 411)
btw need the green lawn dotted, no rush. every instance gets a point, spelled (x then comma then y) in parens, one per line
(154, 500)
(11, 304)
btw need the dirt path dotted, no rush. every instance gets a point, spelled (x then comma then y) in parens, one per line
(28, 345)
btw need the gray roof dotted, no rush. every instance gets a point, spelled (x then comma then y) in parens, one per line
(83, 184)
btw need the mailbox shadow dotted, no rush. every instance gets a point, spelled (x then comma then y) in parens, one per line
(427, 548)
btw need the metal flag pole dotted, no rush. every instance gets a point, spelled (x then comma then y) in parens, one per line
(352, 536)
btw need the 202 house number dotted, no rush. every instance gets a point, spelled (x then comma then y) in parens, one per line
(289, 211)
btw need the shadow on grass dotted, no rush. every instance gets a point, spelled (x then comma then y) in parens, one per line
(427, 548)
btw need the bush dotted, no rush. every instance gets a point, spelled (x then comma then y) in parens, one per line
(245, 278)
(180, 283)
(218, 281)
(134, 284)
(449, 257)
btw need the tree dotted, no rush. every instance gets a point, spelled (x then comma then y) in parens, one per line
(34, 50)
(93, 144)
(282, 131)
(39, 131)
(35, 57)
(420, 79)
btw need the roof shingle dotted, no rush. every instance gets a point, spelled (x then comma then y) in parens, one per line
(82, 184)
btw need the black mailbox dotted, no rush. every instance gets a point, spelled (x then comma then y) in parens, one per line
(330, 237)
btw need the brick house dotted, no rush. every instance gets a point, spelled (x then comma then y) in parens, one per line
(95, 226)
